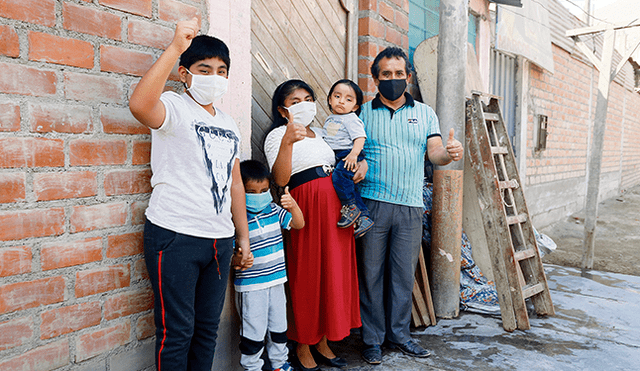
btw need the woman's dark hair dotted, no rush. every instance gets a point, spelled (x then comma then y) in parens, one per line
(352, 85)
(205, 47)
(253, 170)
(389, 52)
(282, 92)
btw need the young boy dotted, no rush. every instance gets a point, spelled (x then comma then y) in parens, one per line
(197, 203)
(260, 297)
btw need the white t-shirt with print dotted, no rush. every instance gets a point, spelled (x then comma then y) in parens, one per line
(192, 157)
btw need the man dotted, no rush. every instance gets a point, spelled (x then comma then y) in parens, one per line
(399, 132)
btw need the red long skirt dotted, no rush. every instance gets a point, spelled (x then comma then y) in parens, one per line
(321, 265)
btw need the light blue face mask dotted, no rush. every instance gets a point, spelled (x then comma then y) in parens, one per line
(256, 202)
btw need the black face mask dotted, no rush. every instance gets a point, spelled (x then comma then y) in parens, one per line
(392, 89)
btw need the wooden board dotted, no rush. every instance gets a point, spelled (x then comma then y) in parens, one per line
(294, 40)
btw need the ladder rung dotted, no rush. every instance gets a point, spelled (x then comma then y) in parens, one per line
(499, 150)
(524, 254)
(530, 290)
(491, 116)
(520, 218)
(513, 184)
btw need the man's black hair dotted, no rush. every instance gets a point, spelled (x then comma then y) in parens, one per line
(253, 170)
(282, 92)
(352, 85)
(205, 47)
(390, 52)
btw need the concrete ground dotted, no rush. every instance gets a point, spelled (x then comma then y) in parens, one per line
(596, 327)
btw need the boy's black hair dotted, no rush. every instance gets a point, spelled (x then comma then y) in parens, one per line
(204, 47)
(253, 170)
(352, 85)
(282, 92)
(390, 52)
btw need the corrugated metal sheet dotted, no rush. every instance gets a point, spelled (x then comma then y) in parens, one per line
(503, 84)
(561, 20)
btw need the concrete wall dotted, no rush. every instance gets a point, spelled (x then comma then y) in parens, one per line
(74, 174)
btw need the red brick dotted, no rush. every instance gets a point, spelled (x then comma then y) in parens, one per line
(12, 187)
(60, 50)
(402, 20)
(149, 34)
(141, 153)
(33, 11)
(91, 21)
(125, 245)
(369, 5)
(68, 319)
(120, 121)
(145, 327)
(15, 332)
(139, 7)
(92, 88)
(24, 295)
(364, 67)
(370, 27)
(31, 152)
(128, 303)
(67, 254)
(60, 118)
(97, 152)
(62, 185)
(18, 79)
(386, 11)
(137, 212)
(140, 272)
(10, 45)
(174, 11)
(100, 280)
(17, 225)
(367, 49)
(45, 358)
(103, 340)
(88, 218)
(394, 37)
(127, 182)
(120, 60)
(9, 117)
(367, 85)
(14, 260)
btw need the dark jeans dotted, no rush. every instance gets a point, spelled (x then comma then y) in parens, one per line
(189, 277)
(343, 183)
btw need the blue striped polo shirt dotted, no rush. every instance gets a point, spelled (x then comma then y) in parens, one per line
(265, 239)
(395, 150)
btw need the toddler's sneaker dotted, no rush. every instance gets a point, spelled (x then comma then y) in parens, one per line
(363, 225)
(285, 367)
(350, 214)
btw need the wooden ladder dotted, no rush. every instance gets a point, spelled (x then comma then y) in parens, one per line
(517, 267)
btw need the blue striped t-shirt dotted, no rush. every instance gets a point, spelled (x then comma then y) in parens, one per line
(265, 239)
(395, 150)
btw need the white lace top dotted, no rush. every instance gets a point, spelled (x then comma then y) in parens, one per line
(307, 153)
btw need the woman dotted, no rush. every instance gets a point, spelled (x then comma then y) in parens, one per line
(321, 261)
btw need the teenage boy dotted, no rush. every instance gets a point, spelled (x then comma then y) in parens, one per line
(198, 202)
(260, 296)
(399, 131)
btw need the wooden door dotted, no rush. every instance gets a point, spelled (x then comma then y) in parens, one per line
(293, 39)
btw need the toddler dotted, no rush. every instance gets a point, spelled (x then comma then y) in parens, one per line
(260, 297)
(344, 132)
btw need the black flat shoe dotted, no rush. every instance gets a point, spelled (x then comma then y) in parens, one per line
(300, 367)
(333, 362)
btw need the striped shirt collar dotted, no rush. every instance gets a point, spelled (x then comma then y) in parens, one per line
(377, 103)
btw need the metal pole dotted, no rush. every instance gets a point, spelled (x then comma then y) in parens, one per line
(595, 157)
(447, 187)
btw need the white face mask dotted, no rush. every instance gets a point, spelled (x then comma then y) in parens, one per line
(206, 89)
(303, 112)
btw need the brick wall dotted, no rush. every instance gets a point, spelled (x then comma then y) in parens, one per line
(74, 180)
(556, 178)
(381, 23)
